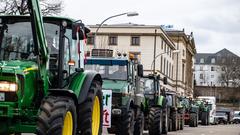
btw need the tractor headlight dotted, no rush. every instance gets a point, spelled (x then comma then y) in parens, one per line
(8, 87)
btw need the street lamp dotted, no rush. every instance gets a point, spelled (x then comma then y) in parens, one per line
(174, 51)
(129, 14)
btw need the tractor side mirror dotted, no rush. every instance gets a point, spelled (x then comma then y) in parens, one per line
(81, 30)
(165, 80)
(140, 70)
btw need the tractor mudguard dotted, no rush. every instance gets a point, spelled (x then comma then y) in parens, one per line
(90, 76)
(130, 104)
(63, 92)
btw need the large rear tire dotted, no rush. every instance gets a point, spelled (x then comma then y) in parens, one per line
(126, 125)
(165, 122)
(181, 121)
(174, 121)
(193, 120)
(90, 112)
(139, 124)
(155, 121)
(204, 119)
(57, 116)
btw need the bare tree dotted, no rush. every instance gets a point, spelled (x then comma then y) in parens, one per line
(230, 72)
(19, 7)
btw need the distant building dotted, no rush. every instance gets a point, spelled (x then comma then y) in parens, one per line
(216, 69)
(183, 60)
(139, 40)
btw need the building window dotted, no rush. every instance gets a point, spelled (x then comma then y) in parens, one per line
(183, 72)
(168, 50)
(213, 60)
(183, 53)
(162, 44)
(165, 47)
(201, 76)
(212, 76)
(135, 40)
(167, 69)
(112, 40)
(161, 64)
(201, 68)
(164, 65)
(90, 40)
(212, 69)
(202, 60)
(170, 69)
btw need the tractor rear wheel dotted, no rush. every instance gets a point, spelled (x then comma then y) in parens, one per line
(192, 120)
(204, 119)
(165, 121)
(139, 124)
(57, 116)
(174, 121)
(170, 125)
(155, 121)
(181, 121)
(90, 112)
(126, 125)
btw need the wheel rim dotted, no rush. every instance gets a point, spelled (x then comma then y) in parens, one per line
(96, 116)
(68, 124)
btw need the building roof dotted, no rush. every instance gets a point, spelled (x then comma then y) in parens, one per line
(217, 56)
(182, 35)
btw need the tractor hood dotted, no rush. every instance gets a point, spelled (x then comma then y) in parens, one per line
(17, 66)
(115, 85)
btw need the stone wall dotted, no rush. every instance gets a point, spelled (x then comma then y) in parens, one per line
(222, 94)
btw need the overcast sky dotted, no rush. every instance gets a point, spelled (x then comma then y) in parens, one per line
(215, 23)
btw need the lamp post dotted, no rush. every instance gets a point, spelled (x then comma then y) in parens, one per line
(129, 14)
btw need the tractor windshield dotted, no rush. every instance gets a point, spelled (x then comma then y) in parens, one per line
(113, 72)
(16, 41)
(149, 85)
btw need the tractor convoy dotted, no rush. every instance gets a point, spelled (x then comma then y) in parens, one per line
(49, 87)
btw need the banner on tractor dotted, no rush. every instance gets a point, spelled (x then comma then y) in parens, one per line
(107, 107)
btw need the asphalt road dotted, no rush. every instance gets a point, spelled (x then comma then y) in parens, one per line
(204, 130)
(210, 130)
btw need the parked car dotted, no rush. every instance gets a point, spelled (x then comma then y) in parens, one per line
(221, 117)
(228, 112)
(236, 118)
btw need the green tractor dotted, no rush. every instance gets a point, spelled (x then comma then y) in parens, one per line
(43, 86)
(155, 111)
(204, 111)
(175, 112)
(191, 112)
(122, 85)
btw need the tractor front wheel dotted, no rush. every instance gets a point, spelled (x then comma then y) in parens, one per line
(90, 112)
(155, 121)
(57, 116)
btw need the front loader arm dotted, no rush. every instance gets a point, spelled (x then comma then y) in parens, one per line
(39, 39)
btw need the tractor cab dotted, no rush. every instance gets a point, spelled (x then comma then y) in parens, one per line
(117, 72)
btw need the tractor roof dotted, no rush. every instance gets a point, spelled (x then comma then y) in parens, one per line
(44, 17)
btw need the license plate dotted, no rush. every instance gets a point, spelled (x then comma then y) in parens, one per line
(2, 96)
